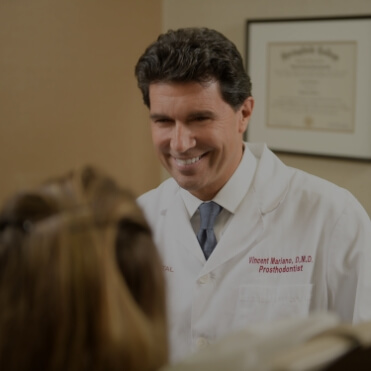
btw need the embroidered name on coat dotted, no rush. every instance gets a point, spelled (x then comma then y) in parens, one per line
(279, 264)
(167, 268)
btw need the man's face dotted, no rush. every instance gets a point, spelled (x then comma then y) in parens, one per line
(197, 135)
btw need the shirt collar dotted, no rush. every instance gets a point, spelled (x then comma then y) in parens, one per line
(233, 192)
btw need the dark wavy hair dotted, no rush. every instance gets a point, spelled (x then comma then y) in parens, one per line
(194, 55)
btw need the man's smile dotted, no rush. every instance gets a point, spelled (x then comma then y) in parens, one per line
(189, 161)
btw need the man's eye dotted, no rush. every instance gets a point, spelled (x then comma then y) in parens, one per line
(162, 121)
(201, 118)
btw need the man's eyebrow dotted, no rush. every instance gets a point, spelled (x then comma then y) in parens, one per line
(156, 116)
(204, 113)
(191, 116)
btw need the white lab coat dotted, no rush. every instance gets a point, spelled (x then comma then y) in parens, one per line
(296, 244)
(302, 344)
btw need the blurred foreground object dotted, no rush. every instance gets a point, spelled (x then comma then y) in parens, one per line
(319, 342)
(81, 284)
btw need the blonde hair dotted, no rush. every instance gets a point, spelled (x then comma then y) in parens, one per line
(81, 285)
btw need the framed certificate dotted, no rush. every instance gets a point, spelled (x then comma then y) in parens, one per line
(312, 85)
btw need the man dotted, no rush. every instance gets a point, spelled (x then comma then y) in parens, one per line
(288, 243)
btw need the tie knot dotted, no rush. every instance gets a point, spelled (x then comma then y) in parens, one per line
(208, 212)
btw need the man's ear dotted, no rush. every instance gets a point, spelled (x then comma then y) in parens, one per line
(246, 112)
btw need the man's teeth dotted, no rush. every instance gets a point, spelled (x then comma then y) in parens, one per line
(188, 161)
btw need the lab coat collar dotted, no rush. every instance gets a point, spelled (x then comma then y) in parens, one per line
(272, 178)
(233, 192)
(185, 236)
(261, 172)
(267, 191)
(269, 186)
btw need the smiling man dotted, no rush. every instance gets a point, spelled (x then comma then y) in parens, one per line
(243, 238)
(197, 135)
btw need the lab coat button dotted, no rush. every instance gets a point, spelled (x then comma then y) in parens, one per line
(204, 279)
(202, 343)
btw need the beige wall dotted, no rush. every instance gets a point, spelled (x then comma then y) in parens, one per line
(68, 95)
(230, 16)
(67, 90)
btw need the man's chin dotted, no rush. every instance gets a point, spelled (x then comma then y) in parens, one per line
(186, 184)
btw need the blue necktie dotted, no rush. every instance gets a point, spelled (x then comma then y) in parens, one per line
(206, 237)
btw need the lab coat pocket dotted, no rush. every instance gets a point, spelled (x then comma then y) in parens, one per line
(261, 303)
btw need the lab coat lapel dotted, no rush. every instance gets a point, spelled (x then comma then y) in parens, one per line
(267, 191)
(244, 230)
(271, 181)
(184, 238)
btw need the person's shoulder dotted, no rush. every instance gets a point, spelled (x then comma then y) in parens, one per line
(276, 183)
(315, 185)
(329, 195)
(296, 185)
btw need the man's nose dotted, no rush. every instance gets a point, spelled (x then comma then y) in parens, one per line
(182, 138)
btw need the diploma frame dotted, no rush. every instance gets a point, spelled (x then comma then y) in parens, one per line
(311, 81)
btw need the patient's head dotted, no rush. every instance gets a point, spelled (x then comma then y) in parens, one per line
(81, 285)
